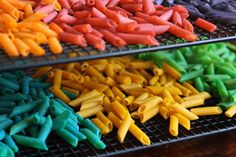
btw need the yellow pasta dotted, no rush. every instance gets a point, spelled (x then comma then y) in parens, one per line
(109, 81)
(166, 94)
(185, 91)
(130, 86)
(90, 111)
(185, 112)
(164, 112)
(66, 75)
(134, 130)
(117, 92)
(231, 111)
(145, 74)
(157, 71)
(128, 100)
(185, 122)
(171, 71)
(105, 120)
(174, 125)
(149, 103)
(32, 18)
(134, 78)
(42, 71)
(204, 111)
(93, 72)
(104, 129)
(153, 80)
(141, 65)
(193, 103)
(72, 84)
(149, 114)
(163, 79)
(43, 29)
(109, 93)
(124, 127)
(123, 80)
(17, 4)
(109, 71)
(119, 110)
(106, 104)
(71, 90)
(76, 102)
(178, 99)
(191, 88)
(203, 95)
(135, 115)
(59, 93)
(95, 85)
(159, 90)
(86, 105)
(57, 78)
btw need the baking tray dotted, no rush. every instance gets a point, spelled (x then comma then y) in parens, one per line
(74, 53)
(156, 129)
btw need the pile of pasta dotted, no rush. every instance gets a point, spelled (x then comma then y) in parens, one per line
(22, 30)
(116, 91)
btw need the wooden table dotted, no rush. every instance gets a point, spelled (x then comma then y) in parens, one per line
(218, 145)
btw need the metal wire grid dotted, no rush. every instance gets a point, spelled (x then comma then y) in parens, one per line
(74, 53)
(156, 129)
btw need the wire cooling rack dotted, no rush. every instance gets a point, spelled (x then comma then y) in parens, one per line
(74, 53)
(156, 129)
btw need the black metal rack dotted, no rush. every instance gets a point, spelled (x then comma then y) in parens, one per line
(74, 53)
(156, 129)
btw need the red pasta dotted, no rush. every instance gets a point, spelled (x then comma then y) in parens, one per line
(73, 39)
(96, 13)
(82, 14)
(138, 39)
(66, 5)
(112, 38)
(176, 19)
(112, 3)
(133, 7)
(167, 15)
(70, 29)
(68, 19)
(119, 19)
(83, 28)
(138, 19)
(90, 3)
(148, 7)
(130, 27)
(103, 23)
(95, 41)
(97, 33)
(187, 25)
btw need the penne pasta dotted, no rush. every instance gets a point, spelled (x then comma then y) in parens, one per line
(193, 103)
(90, 111)
(185, 122)
(185, 112)
(72, 84)
(128, 100)
(164, 112)
(174, 125)
(204, 111)
(57, 78)
(203, 95)
(119, 110)
(184, 90)
(59, 93)
(191, 88)
(231, 111)
(123, 80)
(171, 71)
(124, 127)
(149, 114)
(104, 129)
(117, 92)
(86, 105)
(105, 120)
(149, 103)
(159, 90)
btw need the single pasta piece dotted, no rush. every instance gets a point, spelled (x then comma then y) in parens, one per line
(59, 93)
(119, 110)
(86, 105)
(104, 129)
(90, 111)
(128, 100)
(22, 47)
(57, 78)
(231, 111)
(204, 111)
(193, 103)
(171, 71)
(8, 45)
(174, 125)
(134, 129)
(105, 120)
(149, 114)
(185, 112)
(55, 45)
(35, 49)
(149, 103)
(124, 127)
(191, 88)
(203, 95)
(164, 112)
(185, 122)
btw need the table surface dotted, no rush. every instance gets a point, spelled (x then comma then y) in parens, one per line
(218, 145)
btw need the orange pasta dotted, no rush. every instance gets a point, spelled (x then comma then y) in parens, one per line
(8, 46)
(55, 45)
(35, 49)
(22, 47)
(9, 8)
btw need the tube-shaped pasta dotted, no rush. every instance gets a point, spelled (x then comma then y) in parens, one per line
(193, 103)
(191, 88)
(95, 85)
(10, 9)
(107, 104)
(231, 111)
(8, 21)
(128, 100)
(164, 112)
(149, 103)
(59, 93)
(153, 80)
(134, 129)
(109, 93)
(104, 129)
(171, 71)
(23, 48)
(112, 38)
(42, 71)
(95, 98)
(76, 102)
(72, 84)
(35, 49)
(149, 114)
(185, 122)
(57, 78)
(204, 111)
(185, 112)
(185, 91)
(174, 125)
(141, 65)
(86, 105)
(178, 99)
(117, 92)
(55, 45)
(28, 10)
(56, 28)
(124, 127)
(203, 95)
(119, 110)
(71, 90)
(166, 94)
(109, 71)
(8, 46)
(90, 111)
(157, 71)
(123, 80)
(105, 120)
(159, 90)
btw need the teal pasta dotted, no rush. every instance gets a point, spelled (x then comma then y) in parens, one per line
(75, 132)
(2, 134)
(89, 125)
(6, 123)
(93, 138)
(9, 84)
(69, 137)
(45, 129)
(11, 143)
(5, 150)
